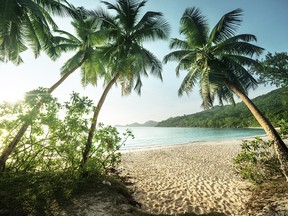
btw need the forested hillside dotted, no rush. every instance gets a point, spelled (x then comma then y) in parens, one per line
(274, 105)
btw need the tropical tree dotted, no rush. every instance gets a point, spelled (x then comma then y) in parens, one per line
(274, 70)
(87, 43)
(128, 58)
(26, 24)
(219, 60)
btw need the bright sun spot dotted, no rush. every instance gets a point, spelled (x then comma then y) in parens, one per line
(11, 96)
(12, 83)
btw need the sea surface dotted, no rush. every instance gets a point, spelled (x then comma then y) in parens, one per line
(149, 137)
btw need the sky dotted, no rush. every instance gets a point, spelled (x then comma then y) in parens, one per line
(267, 19)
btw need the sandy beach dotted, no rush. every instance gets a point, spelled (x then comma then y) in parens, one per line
(196, 177)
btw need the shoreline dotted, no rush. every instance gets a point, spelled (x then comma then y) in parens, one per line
(207, 142)
(195, 177)
(165, 137)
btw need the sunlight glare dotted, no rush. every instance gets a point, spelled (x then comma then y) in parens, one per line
(11, 96)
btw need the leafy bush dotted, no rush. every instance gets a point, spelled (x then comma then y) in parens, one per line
(283, 128)
(57, 134)
(257, 160)
(105, 153)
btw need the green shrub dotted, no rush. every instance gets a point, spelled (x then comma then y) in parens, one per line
(105, 153)
(257, 160)
(57, 135)
(283, 128)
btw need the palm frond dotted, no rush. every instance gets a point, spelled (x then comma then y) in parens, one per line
(127, 83)
(240, 76)
(32, 36)
(34, 20)
(176, 43)
(73, 62)
(13, 43)
(194, 26)
(36, 11)
(58, 7)
(93, 69)
(241, 37)
(240, 48)
(70, 36)
(224, 93)
(226, 27)
(205, 90)
(152, 26)
(180, 55)
(188, 82)
(152, 63)
(138, 85)
(61, 44)
(244, 60)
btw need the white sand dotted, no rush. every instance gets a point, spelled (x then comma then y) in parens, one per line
(188, 178)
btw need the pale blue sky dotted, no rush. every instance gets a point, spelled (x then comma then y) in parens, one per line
(267, 19)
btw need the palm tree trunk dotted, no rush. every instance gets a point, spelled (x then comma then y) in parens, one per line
(279, 146)
(92, 129)
(11, 146)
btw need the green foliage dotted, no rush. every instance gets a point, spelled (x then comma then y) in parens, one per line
(28, 24)
(55, 193)
(56, 137)
(206, 56)
(273, 105)
(105, 152)
(274, 69)
(283, 128)
(257, 160)
(32, 194)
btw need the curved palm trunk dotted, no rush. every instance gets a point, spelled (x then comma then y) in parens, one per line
(92, 129)
(11, 146)
(279, 146)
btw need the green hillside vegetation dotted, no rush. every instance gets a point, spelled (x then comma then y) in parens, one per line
(273, 105)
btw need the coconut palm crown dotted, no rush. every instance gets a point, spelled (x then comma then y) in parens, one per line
(214, 57)
(127, 32)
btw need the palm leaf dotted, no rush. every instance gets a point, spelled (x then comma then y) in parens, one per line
(240, 76)
(180, 55)
(194, 26)
(32, 36)
(58, 7)
(224, 93)
(226, 27)
(93, 69)
(73, 62)
(147, 61)
(205, 89)
(179, 44)
(189, 82)
(240, 48)
(151, 27)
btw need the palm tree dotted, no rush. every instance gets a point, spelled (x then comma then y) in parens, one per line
(28, 24)
(87, 44)
(128, 58)
(219, 60)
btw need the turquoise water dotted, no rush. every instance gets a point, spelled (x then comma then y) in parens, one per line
(147, 137)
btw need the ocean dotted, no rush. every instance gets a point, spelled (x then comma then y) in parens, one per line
(148, 137)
